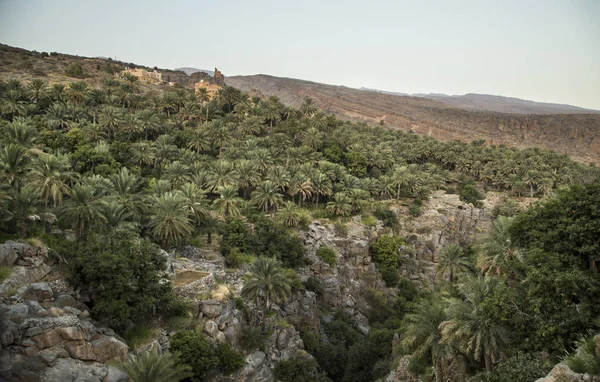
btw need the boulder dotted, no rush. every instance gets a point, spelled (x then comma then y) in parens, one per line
(35, 291)
(233, 332)
(80, 350)
(9, 333)
(65, 300)
(211, 308)
(71, 333)
(71, 370)
(17, 313)
(47, 339)
(256, 359)
(11, 251)
(211, 328)
(109, 348)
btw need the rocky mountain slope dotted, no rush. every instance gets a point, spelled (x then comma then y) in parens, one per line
(488, 102)
(47, 334)
(577, 135)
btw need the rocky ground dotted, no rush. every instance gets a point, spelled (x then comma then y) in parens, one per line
(47, 334)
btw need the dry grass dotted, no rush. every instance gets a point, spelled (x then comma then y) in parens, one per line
(188, 277)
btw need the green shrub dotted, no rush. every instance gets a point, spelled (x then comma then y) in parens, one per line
(229, 358)
(253, 338)
(327, 254)
(385, 251)
(295, 281)
(234, 258)
(4, 273)
(195, 351)
(75, 70)
(340, 229)
(585, 359)
(390, 276)
(520, 367)
(314, 285)
(507, 208)
(470, 194)
(297, 369)
(388, 217)
(415, 209)
(125, 278)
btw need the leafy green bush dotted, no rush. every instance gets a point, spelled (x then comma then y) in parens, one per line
(519, 367)
(297, 369)
(253, 338)
(415, 209)
(384, 251)
(389, 218)
(390, 276)
(470, 194)
(229, 358)
(268, 239)
(125, 278)
(314, 285)
(195, 351)
(234, 258)
(75, 70)
(327, 254)
(507, 208)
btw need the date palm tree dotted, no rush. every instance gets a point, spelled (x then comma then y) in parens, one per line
(452, 261)
(289, 214)
(477, 333)
(169, 220)
(196, 202)
(266, 196)
(267, 283)
(301, 187)
(21, 131)
(423, 336)
(125, 188)
(37, 89)
(23, 208)
(321, 187)
(228, 203)
(340, 205)
(52, 174)
(82, 210)
(247, 174)
(154, 367)
(498, 247)
(14, 165)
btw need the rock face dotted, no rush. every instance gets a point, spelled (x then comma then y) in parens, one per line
(45, 334)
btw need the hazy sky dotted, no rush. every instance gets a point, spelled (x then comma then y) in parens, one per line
(542, 50)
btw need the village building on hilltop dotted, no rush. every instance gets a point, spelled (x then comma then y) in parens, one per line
(213, 86)
(142, 75)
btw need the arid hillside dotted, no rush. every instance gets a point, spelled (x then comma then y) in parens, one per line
(577, 135)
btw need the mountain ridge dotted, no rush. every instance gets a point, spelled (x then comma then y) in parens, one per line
(576, 135)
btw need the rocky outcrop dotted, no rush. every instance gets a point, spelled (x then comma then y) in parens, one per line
(29, 264)
(45, 333)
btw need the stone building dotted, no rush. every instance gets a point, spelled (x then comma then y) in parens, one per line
(212, 89)
(142, 75)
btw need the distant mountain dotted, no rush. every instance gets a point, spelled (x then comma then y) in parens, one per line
(189, 71)
(507, 104)
(500, 104)
(569, 130)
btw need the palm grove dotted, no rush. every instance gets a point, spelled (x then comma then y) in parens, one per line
(128, 172)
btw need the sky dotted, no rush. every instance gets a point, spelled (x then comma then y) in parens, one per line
(547, 51)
